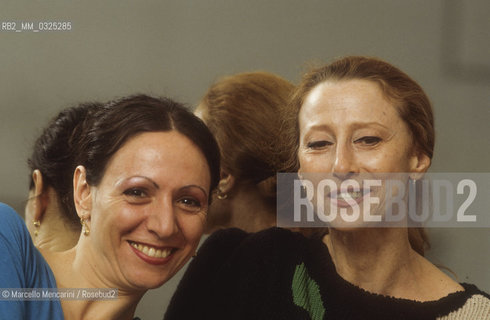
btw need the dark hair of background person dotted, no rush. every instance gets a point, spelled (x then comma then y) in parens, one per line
(409, 99)
(119, 120)
(245, 112)
(55, 151)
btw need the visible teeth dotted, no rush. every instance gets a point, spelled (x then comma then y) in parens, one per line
(150, 251)
(353, 195)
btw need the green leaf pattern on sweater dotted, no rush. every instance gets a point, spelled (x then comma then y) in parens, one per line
(306, 293)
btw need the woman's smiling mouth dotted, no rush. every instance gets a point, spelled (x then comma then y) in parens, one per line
(348, 197)
(151, 254)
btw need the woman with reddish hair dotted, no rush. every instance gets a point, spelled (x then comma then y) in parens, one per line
(246, 113)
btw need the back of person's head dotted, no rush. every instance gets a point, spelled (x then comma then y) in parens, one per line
(245, 112)
(54, 154)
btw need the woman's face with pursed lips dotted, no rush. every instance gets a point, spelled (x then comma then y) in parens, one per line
(350, 130)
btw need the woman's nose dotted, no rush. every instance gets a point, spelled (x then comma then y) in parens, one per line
(163, 220)
(344, 164)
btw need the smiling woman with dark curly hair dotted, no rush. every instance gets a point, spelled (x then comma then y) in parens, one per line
(146, 170)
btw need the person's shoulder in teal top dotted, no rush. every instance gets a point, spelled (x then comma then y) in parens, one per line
(22, 266)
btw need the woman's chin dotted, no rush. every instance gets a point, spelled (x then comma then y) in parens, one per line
(148, 282)
(347, 227)
(351, 226)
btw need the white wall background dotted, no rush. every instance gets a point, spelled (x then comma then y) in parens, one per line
(178, 48)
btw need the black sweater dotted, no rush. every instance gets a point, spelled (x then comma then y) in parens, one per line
(278, 274)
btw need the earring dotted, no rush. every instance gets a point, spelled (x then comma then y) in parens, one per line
(412, 187)
(220, 195)
(86, 230)
(303, 193)
(37, 225)
(413, 182)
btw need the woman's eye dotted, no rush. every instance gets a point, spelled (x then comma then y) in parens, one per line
(368, 140)
(135, 192)
(318, 144)
(189, 204)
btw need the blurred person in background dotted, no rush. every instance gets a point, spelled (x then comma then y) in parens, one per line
(50, 212)
(246, 114)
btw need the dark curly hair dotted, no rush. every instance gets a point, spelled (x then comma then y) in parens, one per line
(55, 151)
(119, 120)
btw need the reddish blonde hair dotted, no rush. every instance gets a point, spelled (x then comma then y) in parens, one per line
(245, 112)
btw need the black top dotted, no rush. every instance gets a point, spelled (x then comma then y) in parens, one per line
(278, 274)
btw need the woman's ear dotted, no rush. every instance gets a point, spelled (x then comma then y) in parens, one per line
(419, 164)
(82, 194)
(300, 173)
(41, 196)
(226, 182)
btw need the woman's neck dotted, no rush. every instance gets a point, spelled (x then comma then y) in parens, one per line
(378, 260)
(55, 234)
(245, 208)
(73, 271)
(382, 261)
(250, 211)
(89, 309)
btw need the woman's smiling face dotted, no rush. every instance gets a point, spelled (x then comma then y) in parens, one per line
(147, 214)
(350, 130)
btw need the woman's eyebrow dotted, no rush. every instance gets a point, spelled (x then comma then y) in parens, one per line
(138, 177)
(195, 186)
(354, 125)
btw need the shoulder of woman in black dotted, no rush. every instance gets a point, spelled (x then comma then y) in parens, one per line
(237, 273)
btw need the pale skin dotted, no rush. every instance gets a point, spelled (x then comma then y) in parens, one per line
(244, 206)
(153, 197)
(347, 128)
(55, 232)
